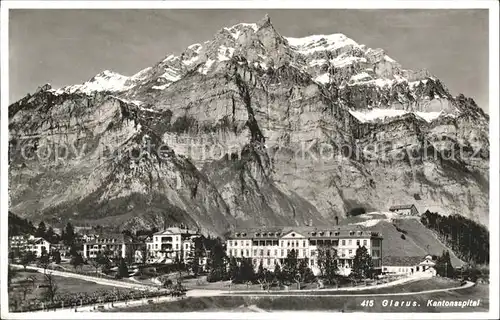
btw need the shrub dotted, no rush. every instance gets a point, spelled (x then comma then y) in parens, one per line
(357, 211)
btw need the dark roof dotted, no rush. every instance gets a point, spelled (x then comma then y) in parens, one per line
(404, 206)
(402, 261)
(307, 231)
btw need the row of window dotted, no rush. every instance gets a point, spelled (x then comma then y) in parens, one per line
(297, 243)
(284, 252)
(314, 234)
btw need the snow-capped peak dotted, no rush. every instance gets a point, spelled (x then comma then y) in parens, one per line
(310, 44)
(104, 81)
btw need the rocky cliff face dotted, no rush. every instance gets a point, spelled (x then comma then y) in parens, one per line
(249, 128)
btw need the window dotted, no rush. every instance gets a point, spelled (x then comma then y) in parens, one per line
(261, 252)
(156, 245)
(293, 234)
(357, 243)
(288, 243)
(282, 252)
(343, 242)
(304, 243)
(365, 242)
(268, 252)
(350, 252)
(312, 262)
(254, 252)
(350, 242)
(247, 252)
(248, 243)
(275, 252)
(336, 233)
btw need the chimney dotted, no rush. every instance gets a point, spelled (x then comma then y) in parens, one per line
(336, 220)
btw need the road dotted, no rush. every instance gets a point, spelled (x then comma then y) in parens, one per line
(209, 292)
(104, 281)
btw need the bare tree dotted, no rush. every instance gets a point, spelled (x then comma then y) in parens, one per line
(26, 287)
(50, 286)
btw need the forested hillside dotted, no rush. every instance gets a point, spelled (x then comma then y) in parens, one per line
(19, 226)
(468, 239)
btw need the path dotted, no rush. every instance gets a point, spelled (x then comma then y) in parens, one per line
(104, 281)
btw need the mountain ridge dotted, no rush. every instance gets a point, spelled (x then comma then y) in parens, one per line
(260, 99)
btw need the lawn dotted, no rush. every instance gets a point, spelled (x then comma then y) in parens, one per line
(318, 303)
(421, 285)
(64, 285)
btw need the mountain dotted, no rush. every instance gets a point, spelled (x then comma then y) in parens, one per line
(249, 128)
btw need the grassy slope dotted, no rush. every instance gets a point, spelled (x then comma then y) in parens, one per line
(419, 239)
(425, 238)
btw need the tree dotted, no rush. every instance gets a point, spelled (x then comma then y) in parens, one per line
(44, 261)
(261, 272)
(233, 269)
(246, 272)
(41, 230)
(51, 236)
(277, 273)
(304, 272)
(444, 268)
(69, 235)
(290, 266)
(50, 286)
(56, 256)
(122, 269)
(362, 265)
(216, 263)
(27, 258)
(327, 262)
(76, 260)
(26, 287)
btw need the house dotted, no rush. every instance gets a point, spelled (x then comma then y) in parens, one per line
(408, 265)
(170, 244)
(113, 245)
(405, 210)
(31, 243)
(272, 245)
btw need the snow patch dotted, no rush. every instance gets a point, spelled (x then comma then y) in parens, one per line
(171, 75)
(360, 76)
(104, 81)
(225, 53)
(311, 44)
(345, 60)
(208, 64)
(382, 114)
(162, 87)
(190, 61)
(323, 78)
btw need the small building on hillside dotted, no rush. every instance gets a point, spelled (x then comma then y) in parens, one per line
(405, 210)
(408, 265)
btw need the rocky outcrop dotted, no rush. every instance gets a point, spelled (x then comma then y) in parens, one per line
(250, 128)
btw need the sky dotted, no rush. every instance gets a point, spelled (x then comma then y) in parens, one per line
(64, 47)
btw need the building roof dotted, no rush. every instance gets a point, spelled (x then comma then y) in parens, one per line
(393, 261)
(306, 231)
(175, 230)
(401, 207)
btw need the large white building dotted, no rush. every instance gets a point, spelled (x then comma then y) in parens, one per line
(271, 245)
(31, 243)
(165, 246)
(113, 245)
